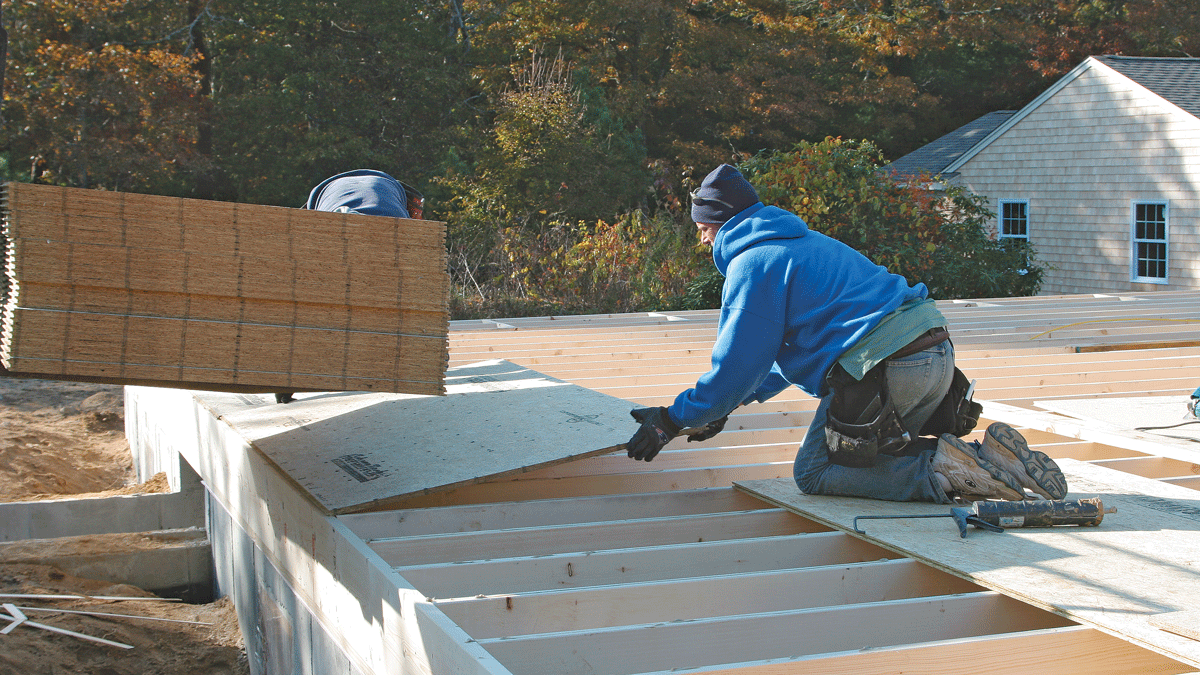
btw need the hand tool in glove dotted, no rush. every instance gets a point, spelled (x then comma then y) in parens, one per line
(708, 430)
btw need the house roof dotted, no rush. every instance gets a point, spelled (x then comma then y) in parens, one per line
(1175, 79)
(936, 156)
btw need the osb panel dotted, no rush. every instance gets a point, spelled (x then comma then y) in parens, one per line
(143, 289)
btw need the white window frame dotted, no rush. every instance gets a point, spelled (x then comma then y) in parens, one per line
(1000, 219)
(1135, 242)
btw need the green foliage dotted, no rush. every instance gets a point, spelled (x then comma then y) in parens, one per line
(555, 152)
(936, 237)
(634, 263)
(97, 96)
(304, 89)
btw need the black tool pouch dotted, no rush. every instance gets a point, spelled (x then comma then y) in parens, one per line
(956, 414)
(862, 422)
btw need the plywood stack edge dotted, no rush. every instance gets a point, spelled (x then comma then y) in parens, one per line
(163, 291)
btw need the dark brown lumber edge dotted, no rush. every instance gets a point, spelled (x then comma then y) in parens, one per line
(1083, 349)
(425, 388)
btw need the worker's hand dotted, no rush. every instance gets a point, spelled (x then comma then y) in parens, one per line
(709, 430)
(656, 431)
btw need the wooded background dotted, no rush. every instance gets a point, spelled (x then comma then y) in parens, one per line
(532, 126)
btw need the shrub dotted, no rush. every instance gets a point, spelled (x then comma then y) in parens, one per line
(635, 263)
(938, 237)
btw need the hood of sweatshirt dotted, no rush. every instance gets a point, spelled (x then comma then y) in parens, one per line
(753, 226)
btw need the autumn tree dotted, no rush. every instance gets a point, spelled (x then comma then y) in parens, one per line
(100, 93)
(702, 81)
(555, 151)
(304, 89)
(553, 157)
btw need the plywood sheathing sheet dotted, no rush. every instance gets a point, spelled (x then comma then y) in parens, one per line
(151, 290)
(357, 451)
(1166, 416)
(1136, 575)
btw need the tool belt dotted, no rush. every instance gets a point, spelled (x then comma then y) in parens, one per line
(862, 420)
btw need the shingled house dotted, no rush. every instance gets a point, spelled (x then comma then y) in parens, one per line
(1101, 173)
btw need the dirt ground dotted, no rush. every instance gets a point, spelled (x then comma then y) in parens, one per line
(62, 439)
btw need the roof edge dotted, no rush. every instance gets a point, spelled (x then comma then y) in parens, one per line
(1022, 113)
(1143, 88)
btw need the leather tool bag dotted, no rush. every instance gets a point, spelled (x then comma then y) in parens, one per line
(863, 424)
(956, 414)
(862, 421)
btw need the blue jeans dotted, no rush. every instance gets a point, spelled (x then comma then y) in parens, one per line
(917, 383)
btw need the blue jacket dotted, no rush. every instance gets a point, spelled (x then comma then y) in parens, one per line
(794, 301)
(365, 191)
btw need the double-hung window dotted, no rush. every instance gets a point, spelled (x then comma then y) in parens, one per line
(1149, 236)
(1014, 219)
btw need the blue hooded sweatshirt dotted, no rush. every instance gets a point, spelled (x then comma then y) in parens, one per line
(793, 302)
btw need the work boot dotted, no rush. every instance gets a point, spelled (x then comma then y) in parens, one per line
(971, 477)
(1007, 449)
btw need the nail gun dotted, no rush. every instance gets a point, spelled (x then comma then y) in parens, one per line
(997, 516)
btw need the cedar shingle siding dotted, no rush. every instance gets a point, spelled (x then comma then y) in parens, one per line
(1083, 154)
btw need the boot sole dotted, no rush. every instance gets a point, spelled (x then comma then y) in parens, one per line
(967, 454)
(1038, 465)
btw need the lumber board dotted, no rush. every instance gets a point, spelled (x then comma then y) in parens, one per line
(699, 597)
(545, 512)
(1069, 427)
(1165, 416)
(514, 487)
(606, 567)
(161, 351)
(162, 291)
(1142, 561)
(192, 307)
(1070, 650)
(367, 282)
(625, 650)
(173, 223)
(631, 533)
(356, 451)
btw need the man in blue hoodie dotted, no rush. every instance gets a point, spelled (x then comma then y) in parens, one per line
(800, 308)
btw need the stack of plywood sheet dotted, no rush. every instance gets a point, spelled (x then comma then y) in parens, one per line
(143, 289)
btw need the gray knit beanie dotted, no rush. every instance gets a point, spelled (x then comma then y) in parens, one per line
(723, 194)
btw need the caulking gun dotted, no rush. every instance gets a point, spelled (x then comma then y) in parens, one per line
(997, 516)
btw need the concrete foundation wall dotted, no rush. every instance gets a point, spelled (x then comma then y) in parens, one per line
(311, 596)
(282, 635)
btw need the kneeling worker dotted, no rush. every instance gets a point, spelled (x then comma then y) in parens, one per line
(802, 308)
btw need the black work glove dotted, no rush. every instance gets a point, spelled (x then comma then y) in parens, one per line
(656, 431)
(709, 430)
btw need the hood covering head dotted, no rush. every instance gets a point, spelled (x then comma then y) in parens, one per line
(755, 226)
(723, 194)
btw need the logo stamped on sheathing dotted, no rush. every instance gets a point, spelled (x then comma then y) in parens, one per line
(359, 467)
(573, 418)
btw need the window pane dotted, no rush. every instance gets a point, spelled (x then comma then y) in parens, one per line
(1152, 260)
(1014, 221)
